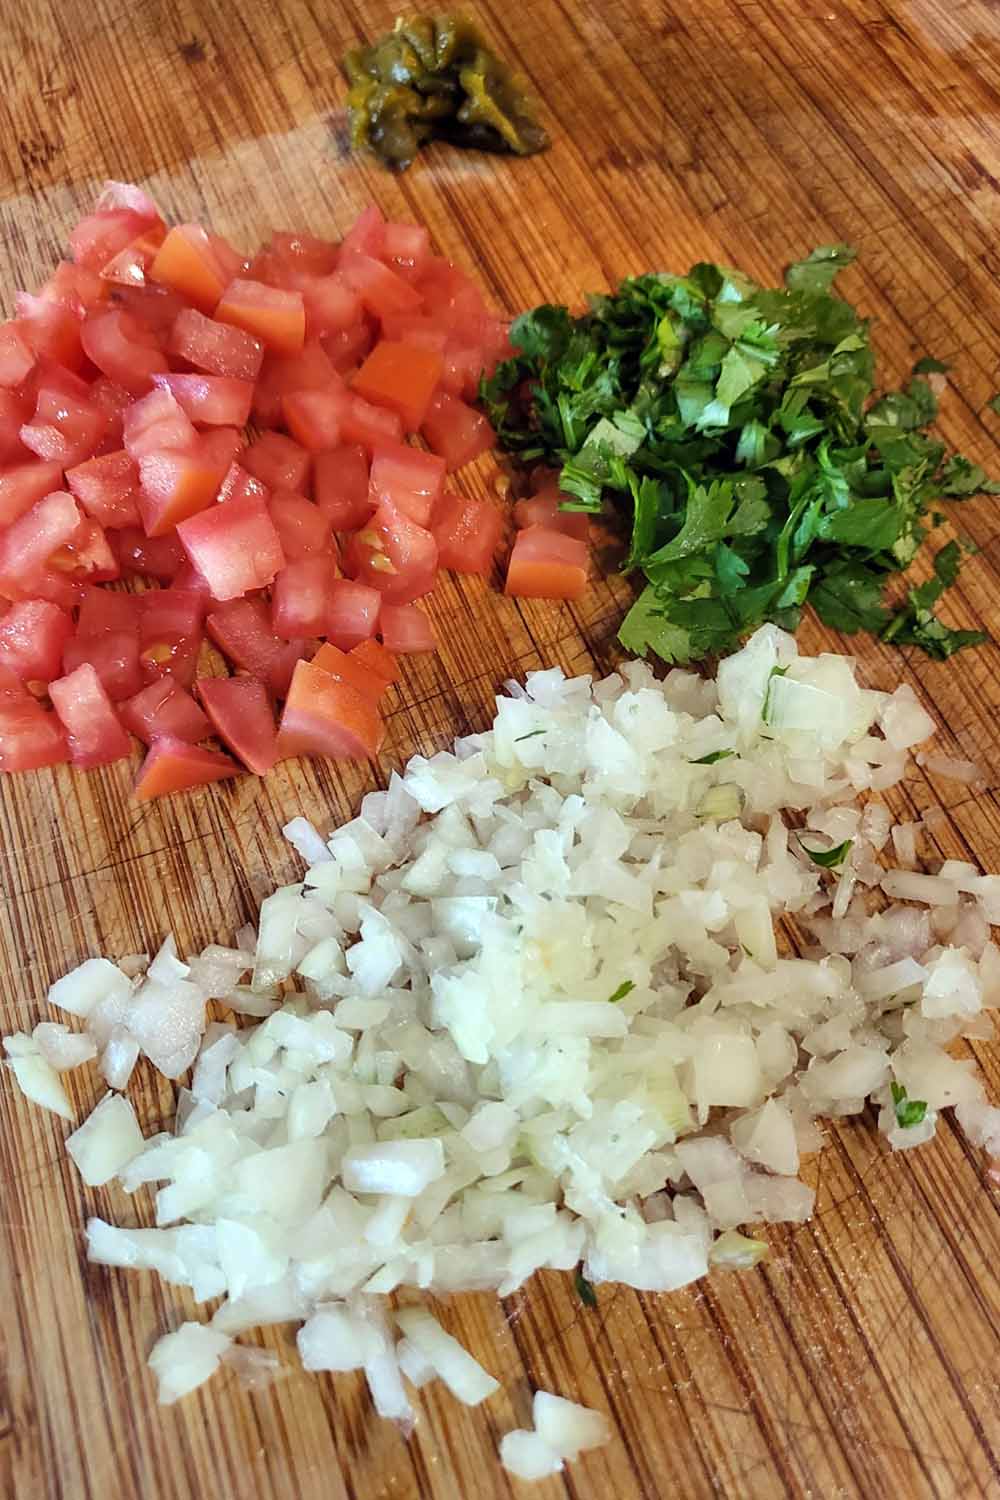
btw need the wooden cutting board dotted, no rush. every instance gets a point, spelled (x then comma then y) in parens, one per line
(862, 1359)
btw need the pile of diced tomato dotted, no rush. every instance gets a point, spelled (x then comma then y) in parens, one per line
(126, 384)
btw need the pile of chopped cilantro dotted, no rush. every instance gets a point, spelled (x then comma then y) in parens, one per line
(737, 430)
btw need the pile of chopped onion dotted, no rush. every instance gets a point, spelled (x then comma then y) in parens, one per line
(532, 1009)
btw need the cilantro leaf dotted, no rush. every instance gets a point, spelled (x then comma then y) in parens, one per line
(646, 628)
(827, 859)
(625, 988)
(712, 757)
(849, 598)
(994, 403)
(909, 1112)
(916, 624)
(584, 1290)
(928, 365)
(817, 272)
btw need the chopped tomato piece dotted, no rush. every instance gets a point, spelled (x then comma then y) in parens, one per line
(216, 348)
(176, 657)
(212, 400)
(86, 556)
(237, 484)
(407, 247)
(114, 403)
(543, 510)
(394, 555)
(281, 374)
(340, 485)
(156, 307)
(242, 717)
(116, 196)
(456, 431)
(382, 291)
(272, 314)
(406, 629)
(33, 635)
(17, 358)
(242, 631)
(113, 654)
(453, 299)
(304, 251)
(496, 343)
(27, 544)
(402, 377)
(347, 346)
(188, 263)
(76, 288)
(234, 546)
(369, 425)
(93, 732)
(15, 409)
(164, 708)
(376, 660)
(30, 736)
(314, 418)
(156, 423)
(107, 609)
(102, 235)
(107, 489)
(326, 716)
(131, 265)
(177, 485)
(302, 527)
(278, 462)
(123, 349)
(467, 532)
(52, 329)
(353, 613)
(547, 565)
(24, 485)
(172, 765)
(367, 234)
(350, 669)
(152, 557)
(64, 429)
(408, 478)
(463, 365)
(331, 306)
(300, 602)
(166, 613)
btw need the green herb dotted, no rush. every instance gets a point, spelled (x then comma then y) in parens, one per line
(530, 736)
(828, 859)
(916, 624)
(765, 711)
(994, 403)
(908, 1111)
(434, 77)
(625, 988)
(584, 1290)
(736, 431)
(928, 365)
(710, 760)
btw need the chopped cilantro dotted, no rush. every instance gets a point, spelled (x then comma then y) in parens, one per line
(928, 365)
(765, 711)
(584, 1290)
(994, 403)
(908, 1111)
(529, 736)
(710, 760)
(916, 624)
(625, 988)
(827, 859)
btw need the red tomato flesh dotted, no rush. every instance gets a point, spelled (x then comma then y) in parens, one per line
(242, 717)
(314, 418)
(309, 370)
(30, 736)
(300, 600)
(376, 660)
(216, 348)
(172, 765)
(340, 485)
(350, 669)
(33, 636)
(353, 613)
(17, 358)
(123, 349)
(212, 400)
(278, 462)
(272, 314)
(164, 708)
(547, 565)
(156, 423)
(331, 306)
(242, 631)
(152, 557)
(175, 485)
(407, 478)
(407, 247)
(394, 555)
(64, 429)
(543, 510)
(456, 431)
(27, 544)
(107, 488)
(302, 527)
(24, 485)
(234, 546)
(102, 610)
(114, 656)
(467, 532)
(164, 614)
(382, 291)
(406, 629)
(304, 251)
(324, 715)
(93, 732)
(402, 377)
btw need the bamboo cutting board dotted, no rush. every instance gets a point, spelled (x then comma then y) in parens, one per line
(863, 1359)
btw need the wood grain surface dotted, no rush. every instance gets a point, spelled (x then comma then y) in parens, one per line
(863, 1359)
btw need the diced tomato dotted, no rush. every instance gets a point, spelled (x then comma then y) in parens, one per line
(234, 546)
(30, 736)
(107, 489)
(176, 657)
(496, 343)
(191, 581)
(242, 631)
(165, 614)
(123, 349)
(212, 400)
(402, 377)
(278, 462)
(348, 668)
(102, 235)
(416, 328)
(314, 417)
(302, 527)
(300, 601)
(114, 403)
(543, 510)
(17, 358)
(242, 717)
(94, 735)
(367, 235)
(408, 478)
(157, 423)
(102, 610)
(172, 765)
(309, 370)
(114, 656)
(64, 429)
(463, 365)
(331, 306)
(177, 485)
(27, 544)
(237, 484)
(188, 263)
(467, 532)
(340, 485)
(152, 557)
(272, 314)
(75, 288)
(229, 258)
(382, 291)
(406, 629)
(15, 408)
(156, 307)
(326, 716)
(33, 635)
(304, 251)
(547, 565)
(116, 196)
(52, 329)
(394, 555)
(348, 346)
(456, 431)
(376, 660)
(216, 348)
(353, 613)
(57, 588)
(407, 247)
(24, 485)
(86, 556)
(453, 299)
(164, 708)
(131, 265)
(369, 425)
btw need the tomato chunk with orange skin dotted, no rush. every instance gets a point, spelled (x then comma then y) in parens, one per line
(340, 486)
(159, 557)
(187, 263)
(300, 599)
(543, 509)
(272, 314)
(93, 732)
(382, 291)
(314, 418)
(406, 629)
(216, 348)
(107, 488)
(27, 544)
(30, 736)
(33, 636)
(123, 349)
(324, 715)
(467, 532)
(457, 431)
(175, 485)
(303, 529)
(114, 656)
(402, 377)
(23, 485)
(278, 461)
(353, 613)
(173, 765)
(242, 717)
(344, 666)
(407, 478)
(242, 631)
(234, 546)
(164, 708)
(211, 400)
(377, 660)
(331, 306)
(394, 555)
(547, 565)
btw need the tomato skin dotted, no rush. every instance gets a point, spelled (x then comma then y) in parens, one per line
(164, 708)
(212, 400)
(547, 565)
(234, 546)
(406, 629)
(278, 462)
(274, 315)
(402, 377)
(173, 487)
(324, 715)
(30, 736)
(187, 263)
(303, 529)
(23, 485)
(242, 717)
(33, 635)
(93, 732)
(377, 661)
(340, 485)
(407, 478)
(467, 532)
(394, 555)
(542, 509)
(27, 544)
(351, 669)
(216, 348)
(457, 432)
(172, 765)
(353, 613)
(300, 600)
(242, 631)
(123, 350)
(159, 557)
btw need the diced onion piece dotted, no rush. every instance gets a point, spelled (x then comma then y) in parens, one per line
(184, 1360)
(107, 1139)
(568, 1428)
(466, 1379)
